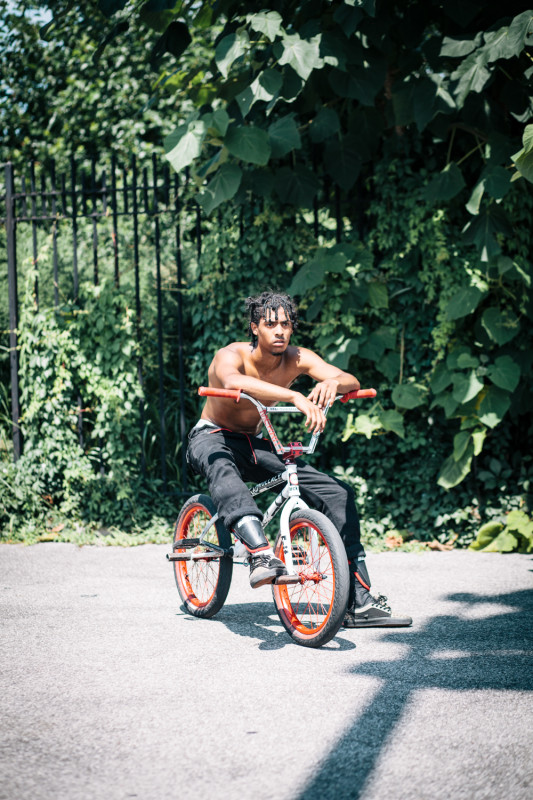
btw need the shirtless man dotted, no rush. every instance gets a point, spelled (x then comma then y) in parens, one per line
(226, 447)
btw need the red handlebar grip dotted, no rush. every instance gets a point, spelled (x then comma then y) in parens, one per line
(358, 393)
(207, 391)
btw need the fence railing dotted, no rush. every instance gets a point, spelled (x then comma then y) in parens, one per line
(57, 207)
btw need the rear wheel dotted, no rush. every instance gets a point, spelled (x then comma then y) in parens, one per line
(203, 583)
(312, 610)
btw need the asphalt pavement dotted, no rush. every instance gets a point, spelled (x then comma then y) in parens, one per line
(108, 689)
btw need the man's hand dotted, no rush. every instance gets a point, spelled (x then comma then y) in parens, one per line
(324, 392)
(315, 419)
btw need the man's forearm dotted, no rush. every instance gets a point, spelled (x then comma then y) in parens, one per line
(266, 393)
(347, 383)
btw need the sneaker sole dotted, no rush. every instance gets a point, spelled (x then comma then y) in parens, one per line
(269, 578)
(385, 622)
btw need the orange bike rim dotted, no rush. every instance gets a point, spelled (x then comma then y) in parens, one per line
(310, 599)
(198, 579)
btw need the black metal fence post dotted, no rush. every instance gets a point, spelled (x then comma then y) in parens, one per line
(65, 214)
(13, 310)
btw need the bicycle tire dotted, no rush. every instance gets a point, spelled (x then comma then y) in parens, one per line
(203, 584)
(312, 611)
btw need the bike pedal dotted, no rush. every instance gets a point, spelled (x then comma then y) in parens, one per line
(283, 580)
(184, 544)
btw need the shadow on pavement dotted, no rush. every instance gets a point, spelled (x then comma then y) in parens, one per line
(450, 652)
(260, 621)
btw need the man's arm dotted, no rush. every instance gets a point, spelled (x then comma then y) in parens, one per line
(227, 372)
(331, 380)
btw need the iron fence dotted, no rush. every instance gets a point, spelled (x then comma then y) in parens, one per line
(58, 206)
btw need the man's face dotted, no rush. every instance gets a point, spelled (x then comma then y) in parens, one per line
(273, 332)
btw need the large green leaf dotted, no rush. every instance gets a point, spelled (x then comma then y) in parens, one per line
(508, 41)
(265, 87)
(313, 271)
(467, 361)
(325, 124)
(174, 40)
(372, 348)
(445, 185)
(158, 14)
(363, 424)
(392, 421)
(461, 441)
(452, 359)
(482, 231)
(223, 186)
(296, 186)
(283, 136)
(249, 144)
(378, 294)
(340, 355)
(471, 76)
(361, 83)
(501, 326)
(184, 144)
(458, 48)
(497, 181)
(486, 534)
(440, 379)
(466, 387)
(494, 406)
(478, 438)
(505, 373)
(267, 22)
(230, 48)
(348, 18)
(453, 472)
(446, 401)
(505, 542)
(335, 50)
(217, 122)
(390, 365)
(303, 56)
(409, 395)
(464, 302)
(523, 160)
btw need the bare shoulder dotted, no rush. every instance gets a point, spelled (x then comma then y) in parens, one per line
(234, 352)
(305, 358)
(230, 359)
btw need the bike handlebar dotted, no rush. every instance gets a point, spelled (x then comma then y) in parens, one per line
(357, 393)
(235, 394)
(207, 391)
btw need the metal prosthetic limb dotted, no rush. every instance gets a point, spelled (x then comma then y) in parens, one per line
(250, 532)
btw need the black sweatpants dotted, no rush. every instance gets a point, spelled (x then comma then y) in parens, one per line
(228, 459)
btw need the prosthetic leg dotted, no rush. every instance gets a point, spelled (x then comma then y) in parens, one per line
(264, 566)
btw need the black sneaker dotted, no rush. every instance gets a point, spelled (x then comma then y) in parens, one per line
(265, 569)
(374, 614)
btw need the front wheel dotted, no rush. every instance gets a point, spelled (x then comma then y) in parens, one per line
(312, 610)
(203, 583)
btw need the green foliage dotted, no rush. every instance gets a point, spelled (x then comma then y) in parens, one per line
(513, 535)
(77, 360)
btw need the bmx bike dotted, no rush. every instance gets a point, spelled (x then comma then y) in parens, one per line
(311, 599)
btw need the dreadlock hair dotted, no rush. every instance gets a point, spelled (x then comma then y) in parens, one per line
(259, 306)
